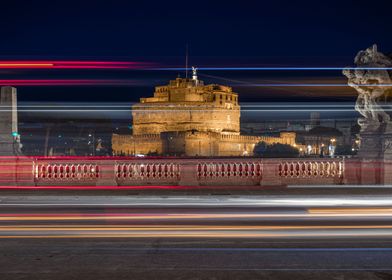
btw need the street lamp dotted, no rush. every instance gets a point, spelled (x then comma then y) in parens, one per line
(92, 142)
(332, 147)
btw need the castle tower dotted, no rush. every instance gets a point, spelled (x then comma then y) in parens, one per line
(188, 105)
(9, 136)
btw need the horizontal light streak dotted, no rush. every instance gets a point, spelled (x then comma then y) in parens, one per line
(256, 110)
(349, 210)
(65, 82)
(58, 64)
(26, 65)
(242, 105)
(202, 234)
(90, 217)
(310, 85)
(128, 82)
(178, 227)
(80, 64)
(272, 68)
(310, 201)
(78, 187)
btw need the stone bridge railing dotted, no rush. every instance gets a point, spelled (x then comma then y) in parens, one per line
(120, 171)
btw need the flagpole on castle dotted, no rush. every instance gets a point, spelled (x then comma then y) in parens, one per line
(186, 62)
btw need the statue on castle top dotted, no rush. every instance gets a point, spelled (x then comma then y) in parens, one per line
(194, 73)
(372, 80)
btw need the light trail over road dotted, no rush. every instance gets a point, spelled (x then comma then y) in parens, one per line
(154, 237)
(215, 201)
(195, 216)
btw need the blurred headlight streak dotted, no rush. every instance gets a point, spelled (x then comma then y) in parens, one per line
(57, 64)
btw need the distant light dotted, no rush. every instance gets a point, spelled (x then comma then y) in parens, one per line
(15, 134)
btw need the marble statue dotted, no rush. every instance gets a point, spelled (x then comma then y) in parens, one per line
(372, 80)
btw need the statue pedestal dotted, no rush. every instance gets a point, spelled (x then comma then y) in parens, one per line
(371, 145)
(375, 155)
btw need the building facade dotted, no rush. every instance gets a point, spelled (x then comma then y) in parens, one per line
(188, 118)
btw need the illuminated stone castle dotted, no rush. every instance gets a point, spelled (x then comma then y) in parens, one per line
(188, 118)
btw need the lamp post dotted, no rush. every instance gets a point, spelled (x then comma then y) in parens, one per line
(332, 147)
(92, 142)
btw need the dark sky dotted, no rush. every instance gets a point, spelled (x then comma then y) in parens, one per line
(219, 33)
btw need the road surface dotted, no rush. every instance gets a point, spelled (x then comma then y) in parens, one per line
(196, 237)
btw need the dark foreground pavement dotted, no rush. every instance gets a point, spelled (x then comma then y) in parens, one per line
(194, 259)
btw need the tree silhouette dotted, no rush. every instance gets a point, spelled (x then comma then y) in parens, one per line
(275, 150)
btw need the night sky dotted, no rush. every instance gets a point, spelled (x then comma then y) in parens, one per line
(219, 33)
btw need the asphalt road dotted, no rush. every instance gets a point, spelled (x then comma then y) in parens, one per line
(182, 237)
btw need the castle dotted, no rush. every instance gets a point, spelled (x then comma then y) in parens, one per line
(188, 118)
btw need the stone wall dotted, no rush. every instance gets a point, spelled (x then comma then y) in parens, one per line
(157, 118)
(136, 144)
(193, 143)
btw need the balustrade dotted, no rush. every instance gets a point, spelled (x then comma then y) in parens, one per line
(310, 169)
(228, 169)
(178, 171)
(66, 171)
(144, 171)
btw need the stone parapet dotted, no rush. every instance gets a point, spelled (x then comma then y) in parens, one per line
(99, 171)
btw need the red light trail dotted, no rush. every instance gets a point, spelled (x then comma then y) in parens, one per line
(139, 188)
(65, 82)
(58, 64)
